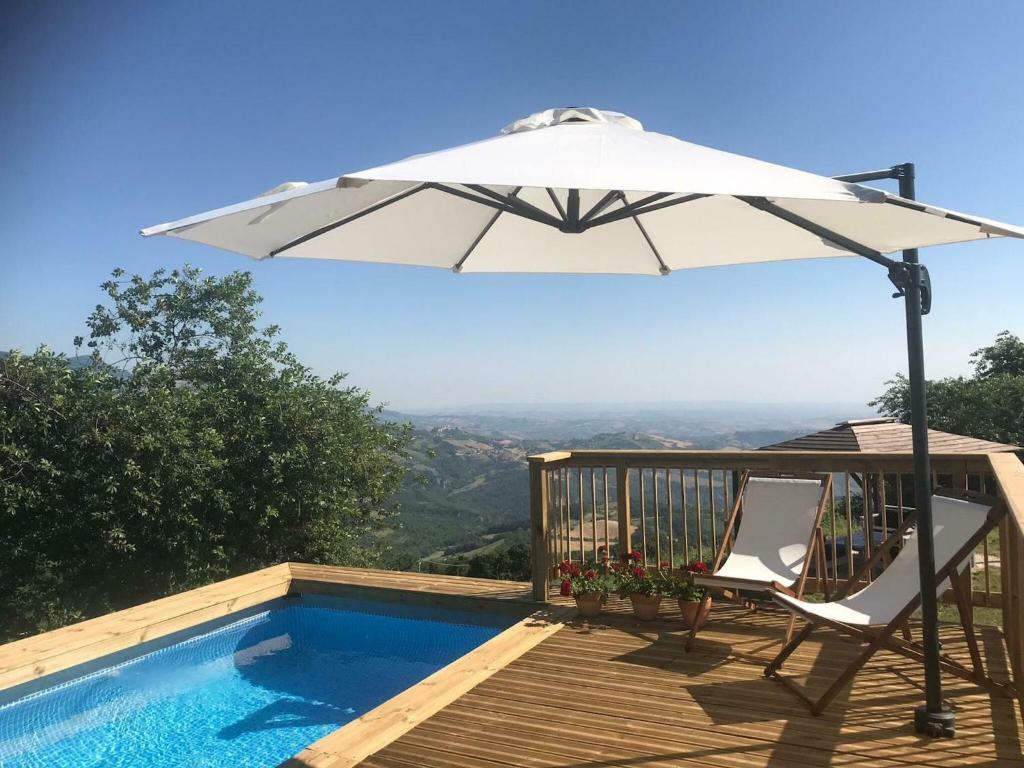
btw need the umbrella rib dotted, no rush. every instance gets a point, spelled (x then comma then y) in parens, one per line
(836, 239)
(483, 232)
(901, 203)
(645, 205)
(602, 204)
(663, 268)
(517, 205)
(557, 202)
(500, 202)
(341, 222)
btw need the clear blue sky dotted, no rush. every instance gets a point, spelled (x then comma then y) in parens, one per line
(118, 115)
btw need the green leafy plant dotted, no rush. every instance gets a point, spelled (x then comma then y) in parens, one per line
(587, 579)
(682, 587)
(632, 578)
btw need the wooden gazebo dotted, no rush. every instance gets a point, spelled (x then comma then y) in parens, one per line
(885, 435)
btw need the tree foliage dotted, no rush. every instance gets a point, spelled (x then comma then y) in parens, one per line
(988, 405)
(510, 563)
(194, 447)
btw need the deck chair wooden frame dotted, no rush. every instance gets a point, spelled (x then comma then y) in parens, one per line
(878, 638)
(815, 551)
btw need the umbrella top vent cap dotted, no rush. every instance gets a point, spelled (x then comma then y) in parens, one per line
(560, 115)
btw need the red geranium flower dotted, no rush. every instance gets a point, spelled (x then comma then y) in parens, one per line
(635, 556)
(591, 574)
(638, 572)
(566, 590)
(698, 566)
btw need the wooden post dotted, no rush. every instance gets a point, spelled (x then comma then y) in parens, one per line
(541, 569)
(622, 508)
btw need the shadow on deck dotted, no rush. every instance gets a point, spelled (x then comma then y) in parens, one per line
(617, 692)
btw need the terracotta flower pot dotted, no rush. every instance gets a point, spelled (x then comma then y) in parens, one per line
(689, 610)
(646, 607)
(589, 605)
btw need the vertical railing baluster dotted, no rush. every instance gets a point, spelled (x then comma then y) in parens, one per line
(849, 524)
(607, 527)
(593, 514)
(869, 527)
(568, 513)
(643, 514)
(700, 523)
(835, 532)
(882, 501)
(714, 513)
(671, 536)
(988, 584)
(657, 517)
(579, 485)
(899, 498)
(686, 522)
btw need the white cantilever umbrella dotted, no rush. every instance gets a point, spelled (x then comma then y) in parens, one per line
(576, 190)
(582, 190)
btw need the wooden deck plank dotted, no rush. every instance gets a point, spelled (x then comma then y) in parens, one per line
(412, 582)
(621, 693)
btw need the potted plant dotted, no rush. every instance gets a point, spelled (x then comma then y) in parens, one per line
(689, 595)
(643, 586)
(589, 584)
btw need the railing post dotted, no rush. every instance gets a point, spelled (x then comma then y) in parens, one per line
(541, 568)
(622, 509)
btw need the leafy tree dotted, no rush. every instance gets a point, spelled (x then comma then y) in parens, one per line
(195, 447)
(1004, 357)
(511, 563)
(988, 405)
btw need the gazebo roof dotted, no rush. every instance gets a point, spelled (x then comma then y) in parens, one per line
(884, 435)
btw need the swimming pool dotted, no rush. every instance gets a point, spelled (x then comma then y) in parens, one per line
(252, 692)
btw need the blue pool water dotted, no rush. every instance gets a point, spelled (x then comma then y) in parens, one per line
(251, 693)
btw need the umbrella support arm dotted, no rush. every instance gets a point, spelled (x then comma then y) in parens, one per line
(913, 285)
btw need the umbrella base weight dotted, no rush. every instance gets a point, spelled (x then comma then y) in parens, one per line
(935, 724)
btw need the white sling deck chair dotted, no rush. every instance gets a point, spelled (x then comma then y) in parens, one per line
(873, 614)
(779, 533)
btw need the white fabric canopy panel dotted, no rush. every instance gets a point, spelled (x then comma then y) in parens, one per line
(577, 190)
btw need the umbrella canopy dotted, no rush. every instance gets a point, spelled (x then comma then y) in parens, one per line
(577, 190)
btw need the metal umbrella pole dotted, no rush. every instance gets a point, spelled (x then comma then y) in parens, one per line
(912, 282)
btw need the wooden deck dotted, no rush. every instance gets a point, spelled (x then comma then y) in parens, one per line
(622, 693)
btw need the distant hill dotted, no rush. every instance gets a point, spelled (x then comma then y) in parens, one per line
(467, 490)
(700, 424)
(74, 362)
